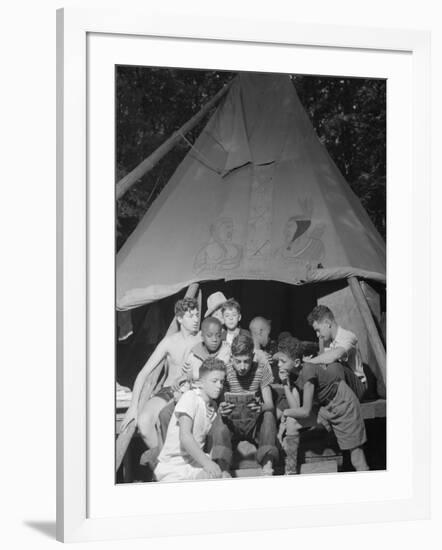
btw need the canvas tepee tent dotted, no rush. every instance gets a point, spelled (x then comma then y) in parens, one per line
(256, 198)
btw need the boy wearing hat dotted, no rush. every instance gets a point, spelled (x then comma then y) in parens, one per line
(214, 304)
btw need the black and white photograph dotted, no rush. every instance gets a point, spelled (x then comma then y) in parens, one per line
(250, 283)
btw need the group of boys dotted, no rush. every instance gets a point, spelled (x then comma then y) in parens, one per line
(218, 391)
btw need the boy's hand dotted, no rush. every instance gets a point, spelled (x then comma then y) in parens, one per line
(213, 470)
(254, 406)
(186, 368)
(307, 358)
(176, 384)
(225, 408)
(283, 375)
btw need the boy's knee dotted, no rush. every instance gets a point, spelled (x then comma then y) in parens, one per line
(145, 423)
(292, 426)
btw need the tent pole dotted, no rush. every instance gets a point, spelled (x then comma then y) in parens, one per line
(148, 163)
(373, 335)
(150, 385)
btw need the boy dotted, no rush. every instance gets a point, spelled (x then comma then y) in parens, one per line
(341, 345)
(250, 419)
(183, 456)
(211, 346)
(175, 349)
(231, 311)
(260, 331)
(214, 306)
(340, 409)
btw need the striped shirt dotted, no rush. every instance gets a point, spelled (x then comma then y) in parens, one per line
(259, 376)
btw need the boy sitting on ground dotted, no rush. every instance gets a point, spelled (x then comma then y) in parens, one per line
(182, 456)
(246, 409)
(340, 409)
(175, 349)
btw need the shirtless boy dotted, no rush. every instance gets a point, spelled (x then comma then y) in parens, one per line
(174, 349)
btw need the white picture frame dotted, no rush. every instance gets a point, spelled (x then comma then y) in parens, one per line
(84, 499)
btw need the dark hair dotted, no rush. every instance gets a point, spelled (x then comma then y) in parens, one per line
(184, 305)
(242, 345)
(292, 347)
(283, 335)
(231, 304)
(211, 364)
(319, 314)
(211, 321)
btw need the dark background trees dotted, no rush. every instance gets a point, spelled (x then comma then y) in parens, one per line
(349, 116)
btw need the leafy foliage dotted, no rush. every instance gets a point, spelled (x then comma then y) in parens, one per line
(151, 103)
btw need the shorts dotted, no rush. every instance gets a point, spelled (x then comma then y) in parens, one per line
(343, 415)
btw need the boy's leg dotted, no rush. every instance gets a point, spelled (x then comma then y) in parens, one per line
(344, 416)
(266, 436)
(290, 445)
(357, 457)
(221, 443)
(147, 426)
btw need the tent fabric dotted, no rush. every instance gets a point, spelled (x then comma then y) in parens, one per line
(257, 197)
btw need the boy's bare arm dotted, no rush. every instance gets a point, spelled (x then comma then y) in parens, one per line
(307, 403)
(329, 356)
(267, 399)
(191, 446)
(292, 396)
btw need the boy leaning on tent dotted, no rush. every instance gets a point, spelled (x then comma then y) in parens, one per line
(174, 349)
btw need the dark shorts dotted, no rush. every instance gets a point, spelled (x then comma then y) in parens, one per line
(343, 415)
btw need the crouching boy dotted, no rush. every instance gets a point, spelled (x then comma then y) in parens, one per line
(247, 410)
(182, 456)
(340, 409)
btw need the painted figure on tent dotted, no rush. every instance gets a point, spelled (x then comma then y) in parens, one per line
(302, 238)
(220, 252)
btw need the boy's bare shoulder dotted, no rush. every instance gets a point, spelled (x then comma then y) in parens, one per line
(177, 339)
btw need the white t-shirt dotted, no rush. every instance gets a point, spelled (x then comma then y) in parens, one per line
(194, 406)
(347, 340)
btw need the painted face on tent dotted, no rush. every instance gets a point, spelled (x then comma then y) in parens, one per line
(211, 335)
(242, 364)
(224, 230)
(231, 318)
(212, 383)
(190, 320)
(323, 329)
